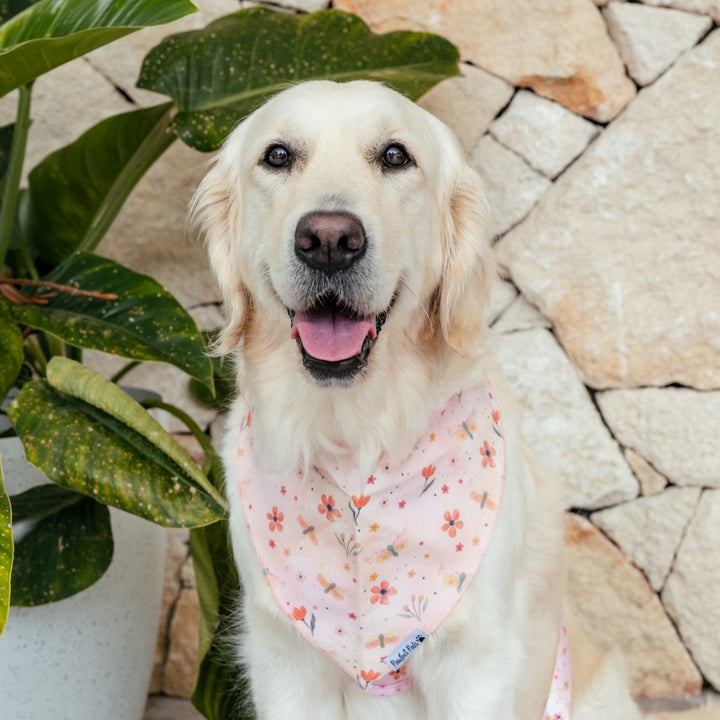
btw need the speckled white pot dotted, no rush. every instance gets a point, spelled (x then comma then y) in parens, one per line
(89, 656)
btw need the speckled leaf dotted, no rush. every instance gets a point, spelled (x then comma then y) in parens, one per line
(144, 323)
(52, 32)
(66, 546)
(6, 551)
(85, 449)
(218, 75)
(75, 193)
(221, 690)
(11, 349)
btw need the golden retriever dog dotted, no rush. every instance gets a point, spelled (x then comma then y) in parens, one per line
(351, 243)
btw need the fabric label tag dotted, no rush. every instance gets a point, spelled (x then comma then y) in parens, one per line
(406, 648)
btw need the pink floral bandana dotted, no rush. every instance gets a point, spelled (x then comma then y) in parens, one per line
(367, 567)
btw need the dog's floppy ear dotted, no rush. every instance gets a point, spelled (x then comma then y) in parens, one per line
(468, 268)
(215, 215)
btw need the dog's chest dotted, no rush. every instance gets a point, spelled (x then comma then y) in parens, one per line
(365, 577)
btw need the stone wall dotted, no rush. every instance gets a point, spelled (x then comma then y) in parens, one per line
(596, 128)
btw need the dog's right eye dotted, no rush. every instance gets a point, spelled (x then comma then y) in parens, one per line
(277, 156)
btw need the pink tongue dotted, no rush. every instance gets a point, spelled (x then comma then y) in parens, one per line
(330, 336)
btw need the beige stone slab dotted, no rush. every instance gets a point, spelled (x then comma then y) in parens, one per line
(182, 659)
(513, 187)
(675, 429)
(60, 109)
(468, 103)
(693, 588)
(619, 609)
(560, 49)
(651, 39)
(548, 136)
(622, 253)
(651, 481)
(502, 295)
(649, 529)
(703, 7)
(520, 315)
(561, 421)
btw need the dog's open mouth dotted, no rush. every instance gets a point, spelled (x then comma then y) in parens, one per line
(335, 340)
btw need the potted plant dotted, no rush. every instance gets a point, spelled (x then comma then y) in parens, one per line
(95, 445)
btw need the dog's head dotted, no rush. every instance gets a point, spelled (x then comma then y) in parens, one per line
(337, 215)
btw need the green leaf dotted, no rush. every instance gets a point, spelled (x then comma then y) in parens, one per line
(145, 322)
(220, 74)
(11, 349)
(52, 32)
(6, 551)
(66, 549)
(75, 193)
(221, 691)
(87, 435)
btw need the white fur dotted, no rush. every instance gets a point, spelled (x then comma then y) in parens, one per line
(428, 248)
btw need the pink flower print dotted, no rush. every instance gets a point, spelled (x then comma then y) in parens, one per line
(327, 508)
(488, 454)
(453, 523)
(381, 593)
(276, 519)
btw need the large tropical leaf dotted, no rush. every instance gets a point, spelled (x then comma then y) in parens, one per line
(145, 322)
(6, 551)
(67, 547)
(220, 74)
(52, 32)
(75, 193)
(87, 435)
(221, 691)
(11, 349)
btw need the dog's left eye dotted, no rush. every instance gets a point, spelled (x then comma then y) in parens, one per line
(394, 156)
(277, 156)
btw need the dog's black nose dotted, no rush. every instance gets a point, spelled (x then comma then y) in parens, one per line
(329, 241)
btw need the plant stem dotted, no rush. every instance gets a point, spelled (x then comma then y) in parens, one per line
(200, 436)
(124, 370)
(11, 184)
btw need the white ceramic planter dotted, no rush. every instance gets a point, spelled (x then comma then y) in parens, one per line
(90, 656)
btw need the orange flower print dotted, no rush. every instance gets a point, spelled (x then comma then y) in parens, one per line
(369, 675)
(427, 472)
(300, 615)
(453, 523)
(495, 416)
(327, 508)
(360, 501)
(276, 519)
(357, 504)
(381, 593)
(488, 454)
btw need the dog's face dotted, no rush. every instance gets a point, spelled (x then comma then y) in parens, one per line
(338, 214)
